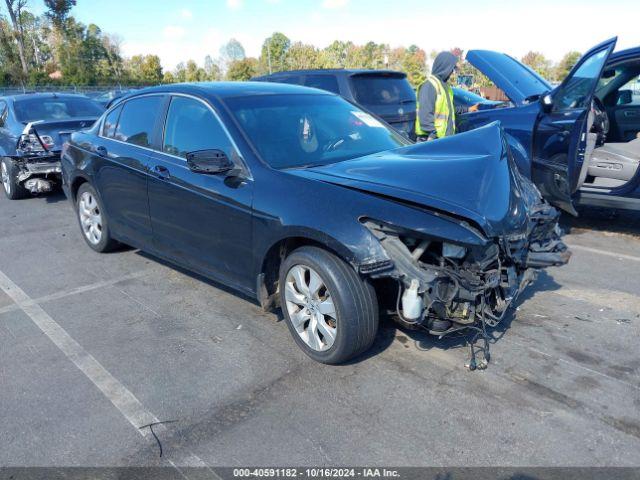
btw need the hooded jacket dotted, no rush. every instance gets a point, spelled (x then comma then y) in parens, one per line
(442, 68)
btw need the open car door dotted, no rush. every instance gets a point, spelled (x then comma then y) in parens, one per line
(562, 143)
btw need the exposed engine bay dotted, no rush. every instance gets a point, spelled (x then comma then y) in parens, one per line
(446, 287)
(38, 165)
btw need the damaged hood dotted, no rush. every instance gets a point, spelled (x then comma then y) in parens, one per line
(468, 175)
(516, 80)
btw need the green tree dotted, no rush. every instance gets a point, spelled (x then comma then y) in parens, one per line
(302, 56)
(538, 62)
(211, 69)
(242, 70)
(58, 10)
(566, 64)
(273, 56)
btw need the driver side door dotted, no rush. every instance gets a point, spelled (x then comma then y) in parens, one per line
(200, 220)
(562, 143)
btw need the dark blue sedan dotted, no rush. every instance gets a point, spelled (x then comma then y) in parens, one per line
(298, 198)
(33, 128)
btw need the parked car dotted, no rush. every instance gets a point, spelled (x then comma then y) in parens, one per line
(466, 98)
(578, 140)
(106, 99)
(385, 93)
(33, 128)
(300, 199)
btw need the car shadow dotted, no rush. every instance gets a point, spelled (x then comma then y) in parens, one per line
(194, 275)
(55, 197)
(602, 220)
(389, 330)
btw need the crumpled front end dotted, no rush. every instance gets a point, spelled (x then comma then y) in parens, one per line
(445, 286)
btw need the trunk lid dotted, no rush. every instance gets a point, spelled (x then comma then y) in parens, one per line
(60, 130)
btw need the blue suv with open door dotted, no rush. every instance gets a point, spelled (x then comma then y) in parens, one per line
(578, 141)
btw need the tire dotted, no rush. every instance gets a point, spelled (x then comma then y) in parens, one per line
(354, 324)
(93, 221)
(12, 189)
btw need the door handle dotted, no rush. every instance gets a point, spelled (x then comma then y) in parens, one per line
(102, 151)
(162, 172)
(631, 113)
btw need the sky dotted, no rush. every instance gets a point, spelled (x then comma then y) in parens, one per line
(191, 29)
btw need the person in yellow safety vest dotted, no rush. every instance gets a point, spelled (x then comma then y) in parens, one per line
(435, 111)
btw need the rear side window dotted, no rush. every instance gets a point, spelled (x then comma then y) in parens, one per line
(291, 80)
(382, 90)
(137, 120)
(323, 82)
(191, 126)
(110, 123)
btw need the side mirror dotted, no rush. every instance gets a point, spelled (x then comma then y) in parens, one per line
(547, 102)
(624, 97)
(210, 162)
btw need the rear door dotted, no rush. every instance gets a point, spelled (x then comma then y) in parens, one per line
(200, 220)
(121, 156)
(562, 143)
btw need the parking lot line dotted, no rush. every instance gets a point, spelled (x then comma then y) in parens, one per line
(81, 289)
(121, 397)
(620, 256)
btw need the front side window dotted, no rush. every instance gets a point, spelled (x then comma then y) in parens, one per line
(191, 126)
(629, 93)
(138, 119)
(577, 89)
(110, 123)
(298, 131)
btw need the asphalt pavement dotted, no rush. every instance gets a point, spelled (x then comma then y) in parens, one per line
(94, 348)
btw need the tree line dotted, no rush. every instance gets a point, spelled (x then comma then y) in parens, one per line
(55, 49)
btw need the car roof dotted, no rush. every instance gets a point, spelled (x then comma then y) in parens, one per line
(223, 90)
(332, 71)
(32, 95)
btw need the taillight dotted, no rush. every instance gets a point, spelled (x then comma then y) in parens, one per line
(34, 143)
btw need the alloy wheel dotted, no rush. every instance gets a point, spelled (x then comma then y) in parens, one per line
(6, 181)
(90, 218)
(310, 307)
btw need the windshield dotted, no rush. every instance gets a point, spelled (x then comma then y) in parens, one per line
(52, 108)
(295, 131)
(382, 90)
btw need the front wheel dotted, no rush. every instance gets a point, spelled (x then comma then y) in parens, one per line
(93, 220)
(331, 312)
(12, 188)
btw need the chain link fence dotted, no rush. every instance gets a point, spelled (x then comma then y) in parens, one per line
(90, 91)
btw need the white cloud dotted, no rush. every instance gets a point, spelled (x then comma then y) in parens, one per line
(234, 4)
(177, 45)
(173, 32)
(186, 14)
(333, 4)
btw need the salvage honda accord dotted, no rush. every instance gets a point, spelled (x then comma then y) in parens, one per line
(302, 200)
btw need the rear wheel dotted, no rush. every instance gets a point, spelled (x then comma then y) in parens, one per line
(331, 312)
(12, 189)
(93, 221)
